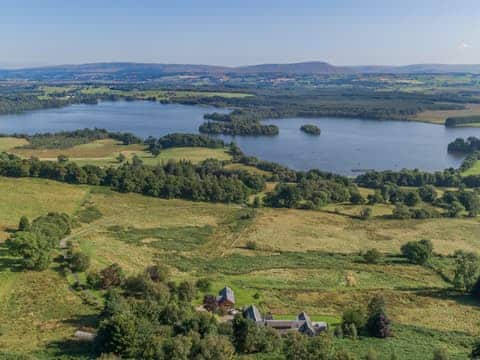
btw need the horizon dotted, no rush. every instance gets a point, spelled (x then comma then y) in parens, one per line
(343, 33)
(13, 67)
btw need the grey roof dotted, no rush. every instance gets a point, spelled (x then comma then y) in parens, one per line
(303, 316)
(226, 294)
(284, 324)
(307, 328)
(252, 313)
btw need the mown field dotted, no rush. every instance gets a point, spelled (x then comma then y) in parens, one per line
(439, 116)
(302, 260)
(105, 152)
(474, 170)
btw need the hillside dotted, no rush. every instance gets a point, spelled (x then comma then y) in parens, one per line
(152, 70)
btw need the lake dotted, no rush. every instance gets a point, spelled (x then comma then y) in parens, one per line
(344, 144)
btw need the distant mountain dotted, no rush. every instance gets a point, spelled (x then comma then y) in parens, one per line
(126, 70)
(418, 69)
(311, 67)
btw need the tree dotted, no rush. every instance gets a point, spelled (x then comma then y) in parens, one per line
(79, 262)
(186, 291)
(34, 248)
(295, 346)
(366, 213)
(215, 347)
(428, 193)
(204, 284)
(475, 354)
(466, 270)
(24, 224)
(418, 252)
(62, 158)
(378, 324)
(244, 331)
(111, 276)
(157, 273)
(121, 158)
(353, 316)
(455, 209)
(401, 212)
(411, 198)
(372, 256)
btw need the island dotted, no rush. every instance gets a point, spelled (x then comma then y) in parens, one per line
(310, 129)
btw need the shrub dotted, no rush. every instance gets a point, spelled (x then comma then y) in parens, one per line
(24, 224)
(372, 256)
(111, 276)
(157, 273)
(353, 316)
(401, 212)
(79, 262)
(418, 252)
(204, 284)
(251, 245)
(366, 213)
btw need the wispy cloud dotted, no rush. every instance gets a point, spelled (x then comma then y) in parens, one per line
(464, 45)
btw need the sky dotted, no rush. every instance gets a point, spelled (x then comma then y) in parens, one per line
(231, 32)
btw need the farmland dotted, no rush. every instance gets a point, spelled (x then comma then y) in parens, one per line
(302, 261)
(106, 152)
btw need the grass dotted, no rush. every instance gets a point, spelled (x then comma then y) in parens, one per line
(304, 260)
(105, 152)
(164, 95)
(474, 170)
(297, 230)
(8, 143)
(37, 309)
(439, 116)
(35, 197)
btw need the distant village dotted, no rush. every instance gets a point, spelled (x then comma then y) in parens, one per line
(225, 303)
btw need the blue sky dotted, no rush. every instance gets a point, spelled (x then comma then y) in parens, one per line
(230, 32)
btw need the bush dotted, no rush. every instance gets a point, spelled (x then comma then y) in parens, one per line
(353, 316)
(401, 212)
(157, 273)
(24, 224)
(251, 245)
(79, 262)
(372, 256)
(204, 284)
(111, 276)
(418, 252)
(366, 213)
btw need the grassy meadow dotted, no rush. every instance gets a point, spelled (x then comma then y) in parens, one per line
(105, 152)
(439, 116)
(302, 260)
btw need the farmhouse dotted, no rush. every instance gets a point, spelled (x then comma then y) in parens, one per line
(302, 323)
(226, 298)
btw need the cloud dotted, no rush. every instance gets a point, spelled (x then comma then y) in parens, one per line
(464, 45)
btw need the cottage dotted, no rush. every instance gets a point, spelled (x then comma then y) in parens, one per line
(302, 323)
(226, 298)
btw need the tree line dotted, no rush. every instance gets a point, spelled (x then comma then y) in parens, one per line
(461, 120)
(67, 139)
(460, 145)
(208, 181)
(182, 140)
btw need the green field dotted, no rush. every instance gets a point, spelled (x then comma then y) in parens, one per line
(475, 170)
(304, 260)
(105, 152)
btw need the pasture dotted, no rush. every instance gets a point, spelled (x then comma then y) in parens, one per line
(303, 260)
